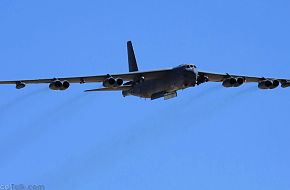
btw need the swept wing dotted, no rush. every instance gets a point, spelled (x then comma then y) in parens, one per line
(98, 78)
(217, 77)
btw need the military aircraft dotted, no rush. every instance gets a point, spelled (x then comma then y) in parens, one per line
(156, 83)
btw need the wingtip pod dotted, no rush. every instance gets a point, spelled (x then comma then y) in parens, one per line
(20, 85)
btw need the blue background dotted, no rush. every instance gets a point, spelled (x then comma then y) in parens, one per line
(209, 137)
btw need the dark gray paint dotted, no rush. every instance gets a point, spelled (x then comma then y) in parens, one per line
(178, 78)
(156, 83)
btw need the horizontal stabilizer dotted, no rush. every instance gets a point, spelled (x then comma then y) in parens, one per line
(120, 88)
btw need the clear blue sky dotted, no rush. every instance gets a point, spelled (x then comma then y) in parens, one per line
(208, 138)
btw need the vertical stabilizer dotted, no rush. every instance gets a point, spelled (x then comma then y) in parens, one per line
(131, 58)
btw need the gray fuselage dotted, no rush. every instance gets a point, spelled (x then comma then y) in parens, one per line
(180, 77)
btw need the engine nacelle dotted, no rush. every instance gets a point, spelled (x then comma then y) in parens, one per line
(119, 82)
(233, 82)
(65, 85)
(55, 85)
(109, 82)
(275, 84)
(58, 85)
(112, 82)
(239, 82)
(268, 84)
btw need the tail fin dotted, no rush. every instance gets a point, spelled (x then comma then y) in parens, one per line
(131, 58)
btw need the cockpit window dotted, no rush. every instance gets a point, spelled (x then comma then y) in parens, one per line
(187, 66)
(190, 66)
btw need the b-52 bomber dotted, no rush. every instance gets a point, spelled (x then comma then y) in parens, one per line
(156, 83)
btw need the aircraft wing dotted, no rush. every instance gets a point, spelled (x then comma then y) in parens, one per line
(216, 77)
(98, 78)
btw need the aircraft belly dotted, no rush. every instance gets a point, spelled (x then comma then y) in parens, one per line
(147, 88)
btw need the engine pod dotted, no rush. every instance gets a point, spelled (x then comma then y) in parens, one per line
(239, 82)
(275, 84)
(65, 85)
(229, 82)
(55, 85)
(109, 82)
(119, 82)
(265, 84)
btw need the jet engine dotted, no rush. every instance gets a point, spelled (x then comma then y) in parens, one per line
(233, 82)
(112, 82)
(65, 85)
(119, 82)
(268, 84)
(109, 82)
(59, 85)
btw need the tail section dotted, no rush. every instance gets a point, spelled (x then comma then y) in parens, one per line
(131, 58)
